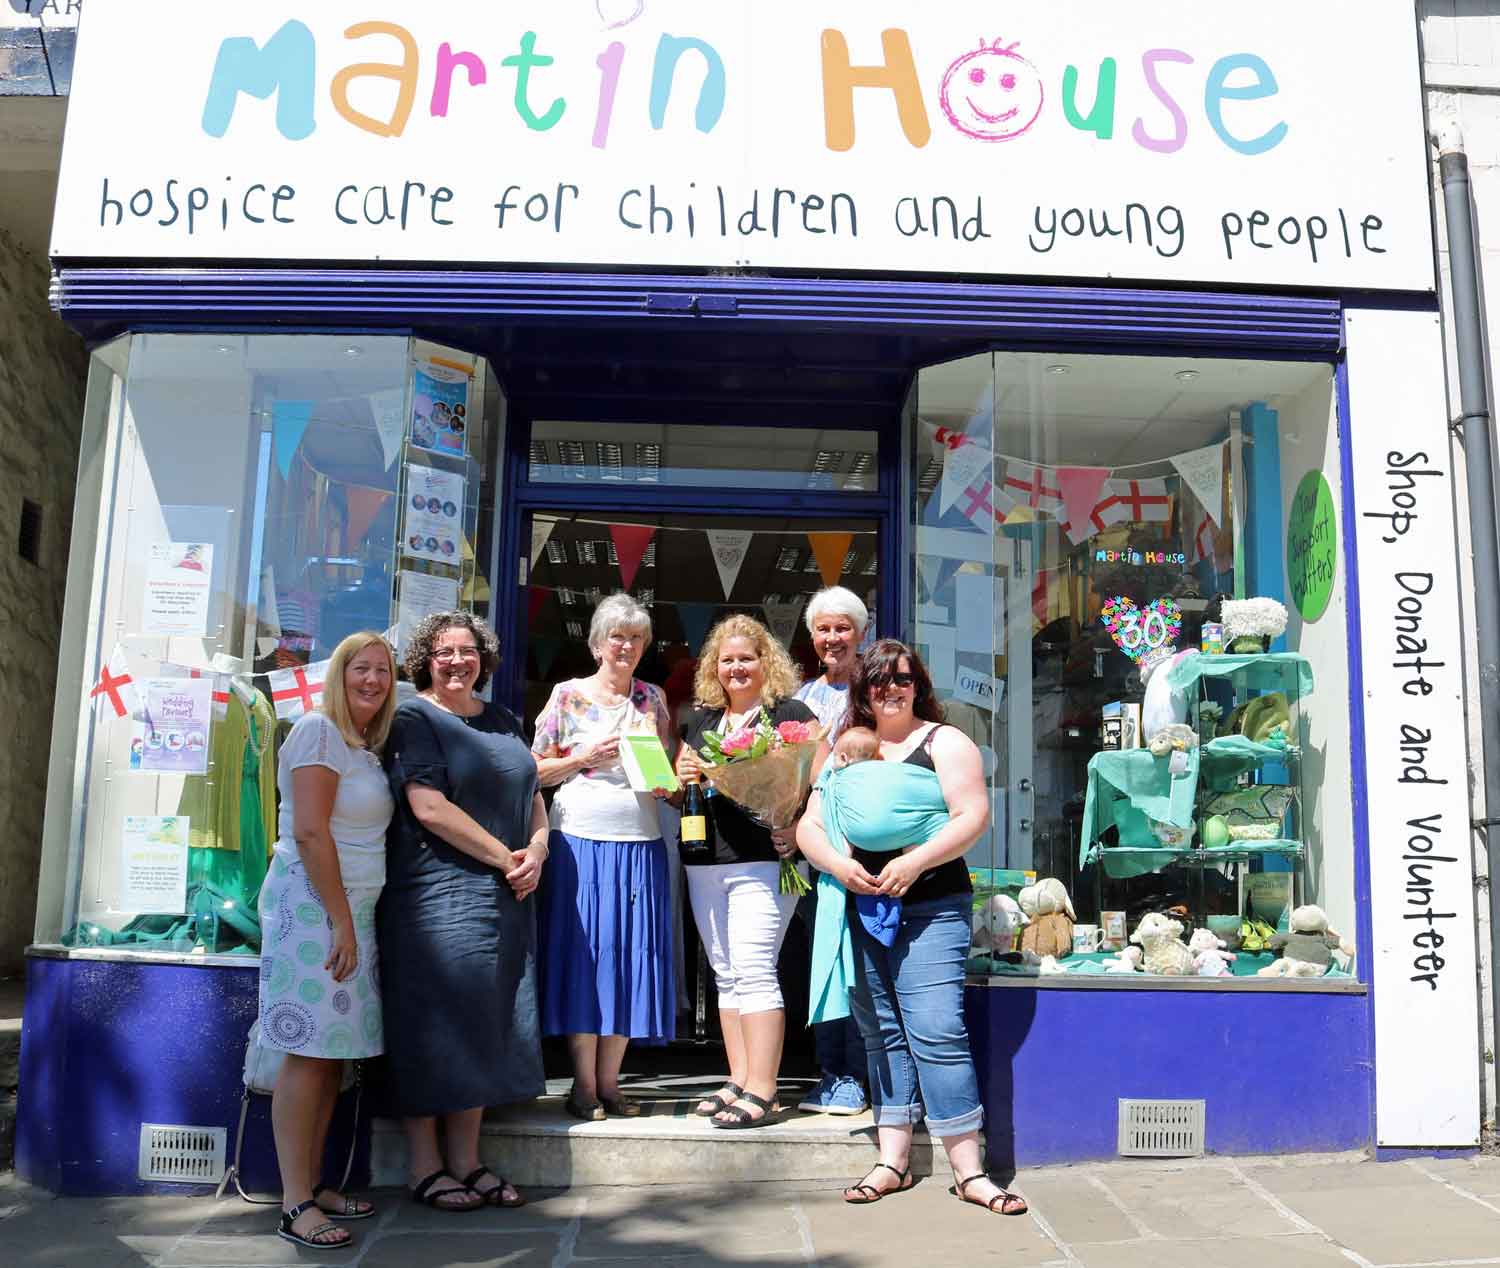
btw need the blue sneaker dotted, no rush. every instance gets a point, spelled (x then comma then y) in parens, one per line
(836, 1094)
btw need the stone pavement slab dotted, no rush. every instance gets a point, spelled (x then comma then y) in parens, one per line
(1292, 1213)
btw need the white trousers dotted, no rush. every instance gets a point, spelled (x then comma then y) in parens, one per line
(742, 916)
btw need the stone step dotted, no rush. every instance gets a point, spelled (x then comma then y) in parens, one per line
(10, 1054)
(538, 1144)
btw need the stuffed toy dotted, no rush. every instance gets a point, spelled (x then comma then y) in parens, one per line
(1210, 959)
(1149, 638)
(1160, 939)
(1175, 737)
(1251, 624)
(1128, 961)
(1307, 951)
(996, 924)
(1049, 914)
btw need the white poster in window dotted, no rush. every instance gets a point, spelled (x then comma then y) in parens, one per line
(178, 577)
(433, 522)
(439, 409)
(420, 596)
(974, 600)
(153, 865)
(177, 718)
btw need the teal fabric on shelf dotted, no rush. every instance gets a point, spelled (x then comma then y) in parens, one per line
(1230, 756)
(1121, 862)
(1271, 671)
(1129, 787)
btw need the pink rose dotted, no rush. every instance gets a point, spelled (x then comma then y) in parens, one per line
(740, 742)
(795, 732)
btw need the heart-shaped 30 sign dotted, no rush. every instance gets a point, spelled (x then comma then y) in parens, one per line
(1140, 631)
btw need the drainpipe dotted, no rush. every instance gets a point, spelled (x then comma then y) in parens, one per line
(1474, 426)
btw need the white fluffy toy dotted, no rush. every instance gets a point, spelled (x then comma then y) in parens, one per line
(1251, 624)
(1160, 938)
(1128, 961)
(1210, 959)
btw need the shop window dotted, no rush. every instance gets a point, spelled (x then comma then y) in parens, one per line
(262, 497)
(1079, 523)
(704, 457)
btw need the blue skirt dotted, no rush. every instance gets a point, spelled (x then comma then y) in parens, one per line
(605, 961)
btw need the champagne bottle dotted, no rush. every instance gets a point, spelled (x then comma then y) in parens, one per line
(693, 843)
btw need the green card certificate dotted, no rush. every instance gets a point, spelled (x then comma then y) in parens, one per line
(646, 764)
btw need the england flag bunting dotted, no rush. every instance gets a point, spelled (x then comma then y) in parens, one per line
(1129, 502)
(295, 691)
(1033, 487)
(221, 684)
(116, 685)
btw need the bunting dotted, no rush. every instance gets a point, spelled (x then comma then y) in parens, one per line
(364, 505)
(782, 619)
(289, 419)
(297, 691)
(696, 618)
(545, 650)
(1202, 470)
(962, 467)
(1080, 488)
(541, 534)
(116, 684)
(729, 549)
(389, 409)
(630, 542)
(220, 685)
(1032, 486)
(830, 550)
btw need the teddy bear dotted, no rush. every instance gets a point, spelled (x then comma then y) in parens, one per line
(996, 924)
(1210, 959)
(1160, 939)
(1307, 951)
(1049, 913)
(1128, 961)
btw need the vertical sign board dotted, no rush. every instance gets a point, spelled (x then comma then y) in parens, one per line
(1421, 878)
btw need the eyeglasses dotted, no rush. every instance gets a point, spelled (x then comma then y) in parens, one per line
(447, 655)
(626, 640)
(897, 679)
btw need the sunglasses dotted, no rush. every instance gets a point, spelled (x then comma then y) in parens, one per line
(897, 679)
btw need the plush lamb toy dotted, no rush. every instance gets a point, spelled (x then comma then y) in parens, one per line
(1160, 938)
(1251, 624)
(1210, 959)
(996, 925)
(1307, 951)
(1128, 961)
(1049, 912)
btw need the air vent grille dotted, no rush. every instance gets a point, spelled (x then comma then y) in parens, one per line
(182, 1155)
(1161, 1129)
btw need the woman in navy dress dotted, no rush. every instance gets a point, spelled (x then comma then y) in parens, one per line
(457, 936)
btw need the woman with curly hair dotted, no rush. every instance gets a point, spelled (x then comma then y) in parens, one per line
(457, 939)
(744, 676)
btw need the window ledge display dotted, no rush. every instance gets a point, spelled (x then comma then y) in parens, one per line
(127, 955)
(1155, 982)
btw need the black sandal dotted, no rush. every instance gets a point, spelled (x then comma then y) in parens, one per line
(903, 1183)
(1004, 1197)
(354, 1208)
(495, 1196)
(718, 1102)
(743, 1119)
(423, 1194)
(288, 1218)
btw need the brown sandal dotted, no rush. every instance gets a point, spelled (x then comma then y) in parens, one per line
(1010, 1203)
(869, 1193)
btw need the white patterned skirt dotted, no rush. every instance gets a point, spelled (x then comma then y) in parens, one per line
(302, 1009)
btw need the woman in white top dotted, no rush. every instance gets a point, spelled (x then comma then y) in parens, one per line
(319, 977)
(606, 909)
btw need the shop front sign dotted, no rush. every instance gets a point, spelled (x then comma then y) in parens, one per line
(1160, 141)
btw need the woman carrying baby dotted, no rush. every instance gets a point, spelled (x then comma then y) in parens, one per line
(891, 835)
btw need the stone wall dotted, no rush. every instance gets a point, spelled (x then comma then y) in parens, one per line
(43, 367)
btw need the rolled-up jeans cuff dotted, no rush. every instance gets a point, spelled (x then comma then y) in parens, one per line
(970, 1122)
(897, 1115)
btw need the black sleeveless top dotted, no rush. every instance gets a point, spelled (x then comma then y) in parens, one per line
(945, 880)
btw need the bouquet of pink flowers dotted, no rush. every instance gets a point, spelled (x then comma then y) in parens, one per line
(767, 770)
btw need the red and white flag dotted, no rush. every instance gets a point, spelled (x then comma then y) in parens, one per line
(1133, 502)
(221, 684)
(116, 685)
(296, 691)
(1035, 487)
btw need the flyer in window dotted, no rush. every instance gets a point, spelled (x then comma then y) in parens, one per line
(178, 712)
(178, 577)
(439, 409)
(421, 595)
(432, 526)
(153, 865)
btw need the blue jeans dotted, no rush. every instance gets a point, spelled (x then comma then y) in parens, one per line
(837, 1045)
(909, 1002)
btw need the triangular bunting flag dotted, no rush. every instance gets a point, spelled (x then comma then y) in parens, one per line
(830, 550)
(541, 534)
(220, 689)
(116, 685)
(729, 548)
(297, 691)
(389, 408)
(782, 617)
(630, 542)
(1032, 486)
(962, 468)
(289, 419)
(1080, 488)
(545, 650)
(364, 506)
(983, 504)
(696, 618)
(536, 600)
(1202, 470)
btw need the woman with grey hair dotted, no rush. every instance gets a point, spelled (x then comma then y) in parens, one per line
(836, 619)
(457, 938)
(606, 910)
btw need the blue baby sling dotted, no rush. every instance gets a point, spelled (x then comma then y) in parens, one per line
(879, 806)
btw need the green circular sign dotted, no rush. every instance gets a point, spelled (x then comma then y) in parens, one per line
(1312, 547)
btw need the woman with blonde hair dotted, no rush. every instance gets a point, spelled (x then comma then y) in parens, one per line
(744, 677)
(319, 976)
